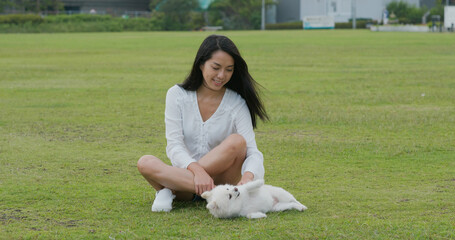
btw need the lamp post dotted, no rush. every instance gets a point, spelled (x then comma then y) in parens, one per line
(263, 15)
(354, 14)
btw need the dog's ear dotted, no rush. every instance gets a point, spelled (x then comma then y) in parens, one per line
(212, 206)
(206, 195)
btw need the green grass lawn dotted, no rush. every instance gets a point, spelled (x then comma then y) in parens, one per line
(362, 132)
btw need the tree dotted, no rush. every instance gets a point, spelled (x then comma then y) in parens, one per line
(405, 12)
(153, 4)
(438, 9)
(237, 14)
(36, 6)
(4, 5)
(178, 14)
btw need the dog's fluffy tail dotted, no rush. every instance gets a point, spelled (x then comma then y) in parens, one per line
(280, 194)
(253, 185)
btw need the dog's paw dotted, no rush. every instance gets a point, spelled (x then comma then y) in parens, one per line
(256, 215)
(301, 207)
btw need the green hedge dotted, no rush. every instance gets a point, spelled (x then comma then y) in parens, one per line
(299, 25)
(77, 23)
(78, 18)
(106, 23)
(19, 19)
(287, 25)
(344, 25)
(359, 24)
(33, 18)
(117, 25)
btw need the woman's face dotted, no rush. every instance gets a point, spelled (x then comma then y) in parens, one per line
(218, 70)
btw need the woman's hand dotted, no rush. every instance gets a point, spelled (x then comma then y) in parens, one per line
(202, 180)
(247, 177)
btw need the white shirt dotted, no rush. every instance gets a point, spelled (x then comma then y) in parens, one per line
(189, 138)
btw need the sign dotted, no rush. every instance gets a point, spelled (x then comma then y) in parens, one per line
(449, 16)
(318, 22)
(204, 4)
(385, 17)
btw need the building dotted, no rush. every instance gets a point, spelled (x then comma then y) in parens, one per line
(340, 10)
(115, 7)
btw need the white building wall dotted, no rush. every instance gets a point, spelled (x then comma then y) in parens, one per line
(341, 10)
(312, 8)
(288, 11)
(371, 9)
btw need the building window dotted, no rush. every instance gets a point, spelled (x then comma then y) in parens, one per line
(333, 4)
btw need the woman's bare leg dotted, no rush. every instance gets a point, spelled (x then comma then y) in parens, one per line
(223, 164)
(161, 175)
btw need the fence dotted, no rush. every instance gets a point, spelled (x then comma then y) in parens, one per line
(114, 13)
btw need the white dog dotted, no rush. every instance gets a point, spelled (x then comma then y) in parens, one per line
(251, 200)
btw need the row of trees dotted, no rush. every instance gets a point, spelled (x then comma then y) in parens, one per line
(237, 14)
(246, 14)
(231, 14)
(35, 6)
(406, 13)
(175, 14)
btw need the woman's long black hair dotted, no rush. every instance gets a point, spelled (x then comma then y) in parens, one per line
(241, 80)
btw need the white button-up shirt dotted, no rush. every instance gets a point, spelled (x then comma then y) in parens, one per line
(189, 138)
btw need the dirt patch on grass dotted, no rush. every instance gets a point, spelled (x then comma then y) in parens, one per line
(10, 215)
(7, 215)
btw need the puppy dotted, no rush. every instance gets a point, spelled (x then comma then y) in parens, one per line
(251, 200)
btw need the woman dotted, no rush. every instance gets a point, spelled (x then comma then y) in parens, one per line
(209, 128)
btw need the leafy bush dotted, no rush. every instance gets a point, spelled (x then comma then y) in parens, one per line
(197, 20)
(437, 10)
(62, 27)
(362, 19)
(77, 18)
(287, 25)
(360, 23)
(19, 19)
(235, 14)
(343, 25)
(140, 24)
(179, 14)
(406, 13)
(78, 23)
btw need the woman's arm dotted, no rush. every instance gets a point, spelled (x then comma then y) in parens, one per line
(246, 177)
(253, 167)
(202, 180)
(176, 149)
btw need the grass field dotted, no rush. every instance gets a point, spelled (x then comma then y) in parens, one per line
(362, 132)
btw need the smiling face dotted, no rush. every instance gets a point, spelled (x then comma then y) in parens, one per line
(217, 71)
